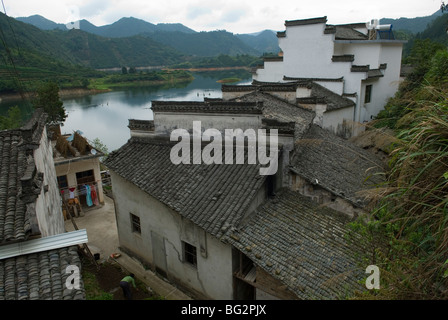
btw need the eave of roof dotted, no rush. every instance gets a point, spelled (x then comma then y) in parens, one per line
(302, 22)
(224, 107)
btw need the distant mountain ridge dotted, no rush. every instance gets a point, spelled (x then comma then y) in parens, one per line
(414, 25)
(125, 27)
(79, 47)
(176, 35)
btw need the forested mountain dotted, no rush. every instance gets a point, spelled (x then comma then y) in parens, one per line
(82, 48)
(204, 44)
(265, 41)
(176, 35)
(413, 25)
(125, 27)
(436, 31)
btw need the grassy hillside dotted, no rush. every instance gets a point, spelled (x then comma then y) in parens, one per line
(408, 230)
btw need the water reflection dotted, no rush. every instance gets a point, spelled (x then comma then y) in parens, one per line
(105, 116)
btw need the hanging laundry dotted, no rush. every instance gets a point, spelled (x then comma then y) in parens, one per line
(94, 195)
(88, 196)
(71, 192)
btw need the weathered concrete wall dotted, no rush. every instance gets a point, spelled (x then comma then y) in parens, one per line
(48, 204)
(167, 122)
(339, 121)
(162, 233)
(324, 197)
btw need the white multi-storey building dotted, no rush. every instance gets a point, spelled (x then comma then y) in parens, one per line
(360, 62)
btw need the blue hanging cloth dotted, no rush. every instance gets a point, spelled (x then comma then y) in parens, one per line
(88, 196)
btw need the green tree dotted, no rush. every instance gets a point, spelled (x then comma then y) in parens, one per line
(47, 98)
(100, 146)
(13, 120)
(124, 70)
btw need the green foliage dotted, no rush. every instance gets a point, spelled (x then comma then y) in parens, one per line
(142, 78)
(13, 120)
(408, 231)
(204, 44)
(221, 61)
(93, 289)
(438, 71)
(100, 146)
(430, 61)
(47, 98)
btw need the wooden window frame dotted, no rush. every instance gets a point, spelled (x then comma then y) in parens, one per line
(190, 254)
(135, 224)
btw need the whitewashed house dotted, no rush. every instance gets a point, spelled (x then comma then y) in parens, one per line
(360, 62)
(223, 231)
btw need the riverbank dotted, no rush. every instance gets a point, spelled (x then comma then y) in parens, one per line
(63, 93)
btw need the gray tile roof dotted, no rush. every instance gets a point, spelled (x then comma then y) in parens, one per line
(40, 276)
(144, 125)
(20, 183)
(206, 107)
(337, 164)
(287, 78)
(301, 244)
(302, 22)
(319, 94)
(213, 197)
(349, 33)
(333, 100)
(278, 109)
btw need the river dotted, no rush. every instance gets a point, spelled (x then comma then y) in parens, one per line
(105, 115)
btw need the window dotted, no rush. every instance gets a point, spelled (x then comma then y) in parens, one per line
(368, 96)
(85, 177)
(190, 254)
(135, 224)
(62, 182)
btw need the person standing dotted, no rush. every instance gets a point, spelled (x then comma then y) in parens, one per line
(125, 285)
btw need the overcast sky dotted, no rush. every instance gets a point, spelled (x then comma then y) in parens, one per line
(235, 16)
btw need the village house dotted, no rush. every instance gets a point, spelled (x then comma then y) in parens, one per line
(35, 250)
(78, 172)
(360, 62)
(225, 231)
(321, 165)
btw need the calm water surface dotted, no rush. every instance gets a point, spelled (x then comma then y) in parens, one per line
(105, 116)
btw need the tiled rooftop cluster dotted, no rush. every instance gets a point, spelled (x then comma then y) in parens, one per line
(19, 180)
(40, 276)
(34, 276)
(297, 241)
(319, 94)
(282, 111)
(213, 197)
(338, 165)
(301, 244)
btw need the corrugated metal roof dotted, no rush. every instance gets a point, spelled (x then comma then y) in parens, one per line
(43, 244)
